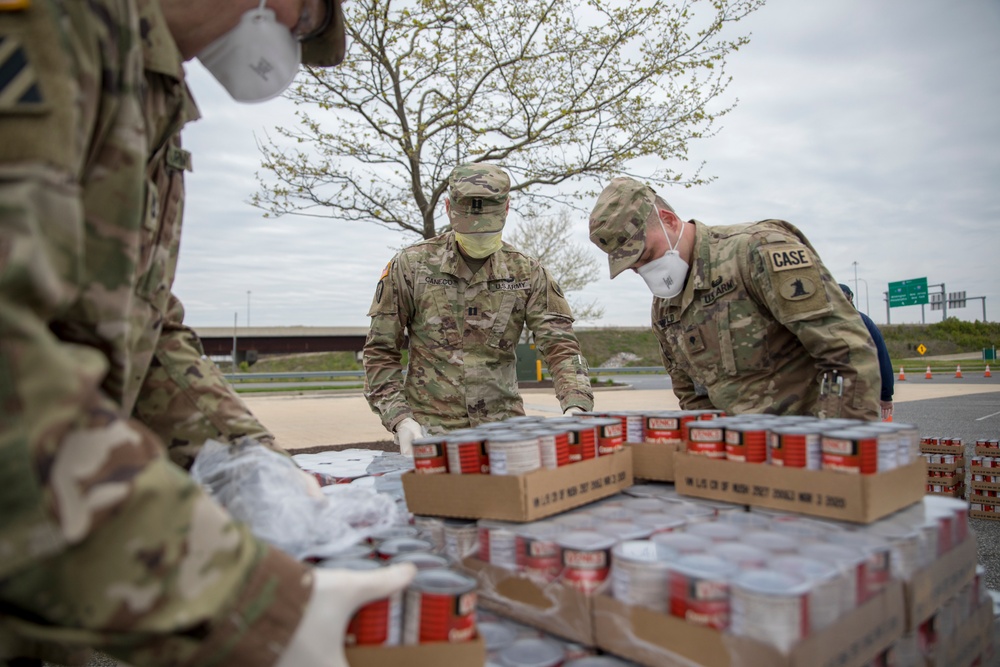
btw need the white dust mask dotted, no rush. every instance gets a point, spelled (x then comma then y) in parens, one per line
(256, 60)
(665, 275)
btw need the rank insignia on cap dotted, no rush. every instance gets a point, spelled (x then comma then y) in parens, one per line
(19, 89)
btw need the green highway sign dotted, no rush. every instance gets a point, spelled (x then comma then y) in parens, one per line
(908, 293)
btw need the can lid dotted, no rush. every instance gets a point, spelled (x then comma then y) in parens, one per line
(624, 529)
(683, 542)
(797, 429)
(811, 568)
(398, 545)
(349, 564)
(532, 652)
(496, 635)
(716, 530)
(585, 539)
(422, 559)
(597, 661)
(704, 565)
(771, 582)
(443, 581)
(429, 440)
(740, 554)
(644, 551)
(603, 421)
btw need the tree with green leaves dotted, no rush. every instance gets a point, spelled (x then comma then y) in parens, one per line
(556, 92)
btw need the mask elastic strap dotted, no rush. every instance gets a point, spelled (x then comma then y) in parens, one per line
(673, 247)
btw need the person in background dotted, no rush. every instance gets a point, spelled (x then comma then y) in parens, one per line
(884, 363)
(104, 541)
(463, 298)
(747, 317)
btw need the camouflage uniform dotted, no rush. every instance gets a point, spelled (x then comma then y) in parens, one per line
(463, 329)
(103, 541)
(761, 325)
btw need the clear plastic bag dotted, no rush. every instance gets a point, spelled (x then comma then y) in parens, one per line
(284, 506)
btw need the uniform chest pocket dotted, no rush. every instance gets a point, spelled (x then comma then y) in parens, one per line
(504, 314)
(743, 338)
(160, 236)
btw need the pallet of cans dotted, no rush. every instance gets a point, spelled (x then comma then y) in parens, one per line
(987, 447)
(521, 469)
(841, 469)
(513, 644)
(773, 588)
(984, 485)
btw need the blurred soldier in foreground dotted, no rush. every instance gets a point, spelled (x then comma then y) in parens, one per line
(464, 297)
(103, 541)
(747, 317)
(884, 363)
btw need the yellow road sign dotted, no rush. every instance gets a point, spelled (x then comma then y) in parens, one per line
(921, 349)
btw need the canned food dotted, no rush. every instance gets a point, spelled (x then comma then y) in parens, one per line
(467, 451)
(796, 446)
(610, 435)
(743, 556)
(538, 553)
(429, 456)
(639, 573)
(421, 560)
(746, 443)
(585, 557)
(532, 652)
(699, 590)
(778, 544)
(431, 528)
(461, 539)
(827, 582)
(553, 446)
(663, 428)
(624, 529)
(660, 523)
(851, 450)
(878, 563)
(683, 543)
(514, 454)
(772, 607)
(440, 607)
(399, 545)
(716, 531)
(496, 635)
(497, 543)
(582, 440)
(850, 561)
(354, 552)
(377, 623)
(706, 439)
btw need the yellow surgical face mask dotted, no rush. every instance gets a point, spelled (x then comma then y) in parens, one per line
(479, 245)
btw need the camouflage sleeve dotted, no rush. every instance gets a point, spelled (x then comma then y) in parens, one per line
(551, 323)
(390, 312)
(104, 542)
(185, 399)
(789, 279)
(680, 381)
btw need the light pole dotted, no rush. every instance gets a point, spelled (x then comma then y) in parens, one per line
(867, 305)
(855, 277)
(248, 309)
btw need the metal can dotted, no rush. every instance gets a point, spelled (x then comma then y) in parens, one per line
(663, 428)
(743, 556)
(497, 635)
(421, 560)
(467, 452)
(497, 543)
(878, 560)
(401, 545)
(850, 562)
(770, 606)
(683, 543)
(796, 446)
(553, 446)
(429, 456)
(746, 443)
(633, 425)
(716, 531)
(354, 552)
(778, 544)
(514, 454)
(853, 450)
(639, 573)
(610, 435)
(378, 623)
(538, 553)
(826, 584)
(624, 529)
(440, 607)
(532, 652)
(585, 557)
(392, 532)
(582, 440)
(706, 439)
(461, 539)
(660, 523)
(699, 590)
(431, 528)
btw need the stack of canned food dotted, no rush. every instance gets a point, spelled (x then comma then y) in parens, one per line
(510, 644)
(518, 445)
(984, 491)
(774, 576)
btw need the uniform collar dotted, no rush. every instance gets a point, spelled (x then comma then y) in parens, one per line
(495, 267)
(160, 53)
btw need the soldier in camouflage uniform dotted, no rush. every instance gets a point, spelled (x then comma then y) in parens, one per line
(103, 541)
(464, 297)
(760, 324)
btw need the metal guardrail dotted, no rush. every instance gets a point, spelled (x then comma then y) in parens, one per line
(323, 375)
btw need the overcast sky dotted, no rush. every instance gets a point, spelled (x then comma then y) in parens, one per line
(873, 126)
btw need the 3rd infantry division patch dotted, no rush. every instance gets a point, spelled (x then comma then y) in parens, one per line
(19, 90)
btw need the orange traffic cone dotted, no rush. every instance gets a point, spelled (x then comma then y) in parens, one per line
(902, 373)
(958, 371)
(987, 374)
(927, 375)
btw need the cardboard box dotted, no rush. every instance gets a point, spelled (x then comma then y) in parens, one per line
(950, 492)
(984, 486)
(959, 464)
(969, 641)
(987, 451)
(985, 500)
(945, 481)
(556, 609)
(944, 449)
(657, 640)
(464, 654)
(834, 495)
(932, 586)
(529, 497)
(654, 460)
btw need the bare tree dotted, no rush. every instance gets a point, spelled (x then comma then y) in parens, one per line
(554, 91)
(548, 238)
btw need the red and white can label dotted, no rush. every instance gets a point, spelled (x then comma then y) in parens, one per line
(440, 607)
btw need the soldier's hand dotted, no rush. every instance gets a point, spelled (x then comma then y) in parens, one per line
(573, 410)
(336, 595)
(886, 410)
(406, 432)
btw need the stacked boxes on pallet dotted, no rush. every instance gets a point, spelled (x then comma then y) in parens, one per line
(945, 465)
(984, 490)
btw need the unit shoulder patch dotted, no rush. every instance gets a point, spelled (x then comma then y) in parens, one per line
(787, 256)
(20, 91)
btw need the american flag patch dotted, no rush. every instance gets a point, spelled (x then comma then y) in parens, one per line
(19, 89)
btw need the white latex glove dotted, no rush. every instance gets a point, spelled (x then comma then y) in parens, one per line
(573, 410)
(337, 594)
(407, 431)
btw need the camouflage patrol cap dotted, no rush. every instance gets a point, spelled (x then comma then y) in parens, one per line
(618, 221)
(328, 47)
(478, 195)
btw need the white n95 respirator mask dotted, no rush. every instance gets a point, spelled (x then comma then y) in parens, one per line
(665, 275)
(255, 61)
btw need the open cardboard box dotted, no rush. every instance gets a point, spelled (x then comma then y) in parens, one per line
(653, 460)
(461, 654)
(834, 495)
(550, 606)
(657, 640)
(932, 586)
(529, 497)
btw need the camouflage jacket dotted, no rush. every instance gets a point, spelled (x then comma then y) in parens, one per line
(104, 542)
(762, 326)
(463, 330)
